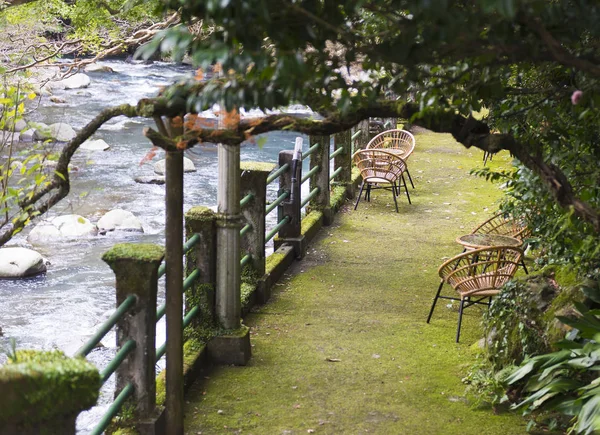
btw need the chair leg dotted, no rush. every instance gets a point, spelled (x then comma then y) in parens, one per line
(394, 195)
(362, 186)
(410, 178)
(460, 312)
(406, 189)
(524, 267)
(368, 194)
(437, 295)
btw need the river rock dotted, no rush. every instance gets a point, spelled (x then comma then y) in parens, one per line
(18, 125)
(9, 136)
(76, 81)
(94, 145)
(41, 131)
(62, 132)
(69, 226)
(57, 100)
(121, 220)
(20, 263)
(27, 135)
(160, 166)
(150, 180)
(94, 67)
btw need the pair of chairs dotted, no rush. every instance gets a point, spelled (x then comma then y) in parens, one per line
(383, 164)
(479, 274)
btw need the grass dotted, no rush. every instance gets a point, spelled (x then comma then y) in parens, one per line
(343, 347)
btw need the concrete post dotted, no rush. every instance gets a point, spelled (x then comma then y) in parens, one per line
(228, 297)
(136, 271)
(292, 232)
(203, 256)
(344, 161)
(320, 159)
(363, 138)
(254, 182)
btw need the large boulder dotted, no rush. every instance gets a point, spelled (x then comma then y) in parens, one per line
(121, 220)
(76, 81)
(94, 145)
(160, 166)
(9, 137)
(41, 131)
(20, 263)
(62, 132)
(27, 135)
(69, 226)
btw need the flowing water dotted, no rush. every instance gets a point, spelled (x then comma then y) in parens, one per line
(63, 308)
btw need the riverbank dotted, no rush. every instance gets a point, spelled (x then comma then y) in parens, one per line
(343, 347)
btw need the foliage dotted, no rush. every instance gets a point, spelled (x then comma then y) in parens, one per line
(485, 385)
(566, 382)
(513, 324)
(21, 170)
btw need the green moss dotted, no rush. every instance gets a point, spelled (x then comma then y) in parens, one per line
(246, 290)
(272, 261)
(342, 346)
(200, 213)
(257, 166)
(309, 220)
(204, 326)
(40, 386)
(338, 196)
(143, 252)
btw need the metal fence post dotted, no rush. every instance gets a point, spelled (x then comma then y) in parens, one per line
(291, 233)
(136, 271)
(254, 182)
(344, 161)
(203, 257)
(228, 299)
(321, 178)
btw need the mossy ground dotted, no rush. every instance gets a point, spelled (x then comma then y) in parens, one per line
(343, 347)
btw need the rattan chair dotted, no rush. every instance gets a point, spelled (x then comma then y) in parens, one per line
(380, 169)
(400, 142)
(477, 274)
(505, 225)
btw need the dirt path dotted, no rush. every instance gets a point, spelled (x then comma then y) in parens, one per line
(343, 347)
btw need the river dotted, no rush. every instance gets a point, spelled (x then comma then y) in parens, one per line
(63, 308)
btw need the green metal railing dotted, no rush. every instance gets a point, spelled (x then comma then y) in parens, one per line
(269, 208)
(335, 173)
(336, 153)
(276, 229)
(275, 175)
(310, 196)
(310, 151)
(113, 409)
(310, 173)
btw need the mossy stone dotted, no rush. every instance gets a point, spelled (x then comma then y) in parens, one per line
(143, 252)
(43, 386)
(257, 166)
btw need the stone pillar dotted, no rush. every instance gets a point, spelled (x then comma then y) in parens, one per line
(136, 271)
(320, 159)
(203, 256)
(39, 394)
(291, 233)
(344, 160)
(363, 138)
(254, 182)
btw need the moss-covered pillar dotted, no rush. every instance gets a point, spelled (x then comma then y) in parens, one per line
(43, 392)
(320, 179)
(290, 233)
(136, 271)
(344, 160)
(254, 182)
(362, 139)
(203, 256)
